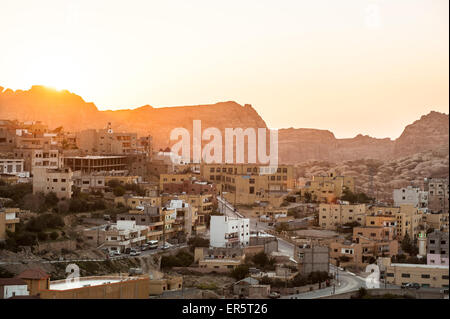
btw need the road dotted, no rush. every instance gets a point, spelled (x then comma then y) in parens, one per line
(255, 225)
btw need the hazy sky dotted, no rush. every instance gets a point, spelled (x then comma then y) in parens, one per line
(350, 66)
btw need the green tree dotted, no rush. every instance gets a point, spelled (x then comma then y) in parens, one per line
(118, 191)
(54, 235)
(51, 199)
(239, 272)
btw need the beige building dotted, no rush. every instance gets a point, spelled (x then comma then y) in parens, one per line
(220, 259)
(328, 188)
(138, 201)
(333, 215)
(8, 221)
(434, 276)
(58, 181)
(106, 141)
(437, 221)
(169, 283)
(249, 183)
(408, 218)
(98, 287)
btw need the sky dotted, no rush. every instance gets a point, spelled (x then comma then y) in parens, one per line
(348, 66)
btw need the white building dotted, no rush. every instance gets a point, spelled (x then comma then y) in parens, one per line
(411, 196)
(229, 232)
(13, 166)
(11, 287)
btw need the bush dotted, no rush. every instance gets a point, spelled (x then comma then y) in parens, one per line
(197, 242)
(51, 199)
(239, 272)
(54, 235)
(118, 191)
(181, 259)
(42, 236)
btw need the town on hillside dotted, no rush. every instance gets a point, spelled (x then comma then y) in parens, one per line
(100, 213)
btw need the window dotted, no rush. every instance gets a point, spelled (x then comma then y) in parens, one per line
(425, 276)
(406, 275)
(389, 274)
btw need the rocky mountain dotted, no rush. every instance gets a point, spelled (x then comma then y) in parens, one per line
(62, 108)
(387, 174)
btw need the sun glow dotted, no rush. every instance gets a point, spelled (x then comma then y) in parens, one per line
(56, 72)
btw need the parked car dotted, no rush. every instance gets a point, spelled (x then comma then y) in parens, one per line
(274, 295)
(411, 285)
(135, 252)
(152, 244)
(145, 247)
(444, 291)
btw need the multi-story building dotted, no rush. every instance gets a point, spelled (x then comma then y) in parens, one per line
(13, 166)
(333, 215)
(437, 259)
(222, 259)
(248, 183)
(438, 221)
(88, 164)
(46, 158)
(363, 252)
(106, 141)
(120, 237)
(203, 203)
(438, 200)
(189, 187)
(310, 258)
(138, 201)
(8, 221)
(328, 188)
(411, 196)
(12, 287)
(434, 276)
(98, 181)
(437, 243)
(229, 232)
(178, 179)
(408, 218)
(58, 181)
(376, 233)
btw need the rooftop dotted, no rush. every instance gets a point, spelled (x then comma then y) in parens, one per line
(421, 266)
(86, 282)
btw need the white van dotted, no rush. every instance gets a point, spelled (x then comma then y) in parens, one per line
(152, 244)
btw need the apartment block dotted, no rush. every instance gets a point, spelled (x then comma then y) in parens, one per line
(438, 221)
(438, 200)
(58, 181)
(410, 196)
(310, 258)
(89, 164)
(434, 276)
(437, 243)
(219, 259)
(328, 188)
(8, 221)
(333, 215)
(229, 232)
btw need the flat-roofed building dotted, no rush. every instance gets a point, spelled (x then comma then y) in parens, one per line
(98, 287)
(58, 181)
(333, 215)
(434, 276)
(8, 221)
(90, 163)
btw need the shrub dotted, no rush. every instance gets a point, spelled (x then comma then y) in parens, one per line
(42, 236)
(54, 235)
(239, 272)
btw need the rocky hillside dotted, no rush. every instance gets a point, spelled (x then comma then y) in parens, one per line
(430, 132)
(387, 175)
(56, 108)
